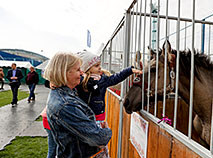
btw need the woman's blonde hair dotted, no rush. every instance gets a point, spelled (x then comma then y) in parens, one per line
(58, 66)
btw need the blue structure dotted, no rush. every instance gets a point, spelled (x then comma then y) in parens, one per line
(22, 55)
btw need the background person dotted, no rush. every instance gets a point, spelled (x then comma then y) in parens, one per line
(31, 80)
(14, 75)
(71, 120)
(2, 78)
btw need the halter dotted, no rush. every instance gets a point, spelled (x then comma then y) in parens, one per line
(138, 79)
(172, 73)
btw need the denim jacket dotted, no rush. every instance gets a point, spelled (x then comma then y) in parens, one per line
(73, 125)
(97, 99)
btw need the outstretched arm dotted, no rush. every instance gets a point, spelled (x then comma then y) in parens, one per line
(119, 77)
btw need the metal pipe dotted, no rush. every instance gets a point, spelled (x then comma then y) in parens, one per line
(123, 85)
(110, 56)
(157, 59)
(165, 61)
(177, 66)
(139, 32)
(136, 29)
(202, 37)
(144, 33)
(175, 18)
(185, 36)
(209, 40)
(192, 74)
(107, 102)
(150, 47)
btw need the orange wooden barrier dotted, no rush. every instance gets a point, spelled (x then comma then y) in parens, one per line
(160, 143)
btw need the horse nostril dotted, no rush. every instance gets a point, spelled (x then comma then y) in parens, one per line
(126, 102)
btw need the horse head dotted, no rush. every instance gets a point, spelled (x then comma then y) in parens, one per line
(133, 98)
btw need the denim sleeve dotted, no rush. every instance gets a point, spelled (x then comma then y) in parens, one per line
(80, 125)
(118, 77)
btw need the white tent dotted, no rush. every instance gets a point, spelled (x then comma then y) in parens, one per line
(6, 63)
(43, 65)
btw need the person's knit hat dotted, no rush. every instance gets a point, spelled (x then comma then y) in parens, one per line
(89, 59)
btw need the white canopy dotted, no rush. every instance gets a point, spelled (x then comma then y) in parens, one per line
(6, 63)
(43, 65)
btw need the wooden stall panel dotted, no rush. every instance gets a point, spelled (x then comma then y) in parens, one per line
(153, 137)
(113, 122)
(160, 143)
(180, 150)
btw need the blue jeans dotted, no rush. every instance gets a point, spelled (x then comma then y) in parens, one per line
(31, 88)
(51, 145)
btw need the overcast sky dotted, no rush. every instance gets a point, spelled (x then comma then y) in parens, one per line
(58, 25)
(61, 25)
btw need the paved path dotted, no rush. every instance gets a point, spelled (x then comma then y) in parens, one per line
(20, 120)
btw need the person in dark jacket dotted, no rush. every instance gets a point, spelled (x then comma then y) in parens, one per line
(71, 120)
(32, 80)
(14, 75)
(94, 84)
(1, 78)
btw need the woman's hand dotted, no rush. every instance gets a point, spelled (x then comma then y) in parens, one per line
(136, 71)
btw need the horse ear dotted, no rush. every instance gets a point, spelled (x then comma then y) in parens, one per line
(138, 59)
(152, 53)
(167, 47)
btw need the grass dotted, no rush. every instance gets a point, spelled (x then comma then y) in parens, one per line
(26, 147)
(6, 96)
(39, 118)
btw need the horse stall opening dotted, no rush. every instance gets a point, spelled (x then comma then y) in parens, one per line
(177, 107)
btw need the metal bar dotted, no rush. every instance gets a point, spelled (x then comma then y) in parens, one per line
(176, 18)
(123, 85)
(110, 56)
(165, 61)
(185, 36)
(139, 32)
(116, 31)
(202, 38)
(177, 66)
(132, 28)
(150, 47)
(107, 102)
(136, 29)
(209, 40)
(144, 33)
(157, 59)
(192, 74)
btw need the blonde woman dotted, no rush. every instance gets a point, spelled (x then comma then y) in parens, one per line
(72, 122)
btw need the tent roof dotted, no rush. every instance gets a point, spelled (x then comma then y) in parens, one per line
(6, 63)
(43, 65)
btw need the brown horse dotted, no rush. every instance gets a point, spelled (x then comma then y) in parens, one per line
(203, 86)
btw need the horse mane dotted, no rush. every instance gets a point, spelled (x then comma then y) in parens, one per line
(200, 60)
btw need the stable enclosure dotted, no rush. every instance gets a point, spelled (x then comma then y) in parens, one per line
(143, 26)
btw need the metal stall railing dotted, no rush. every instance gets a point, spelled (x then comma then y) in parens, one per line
(131, 36)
